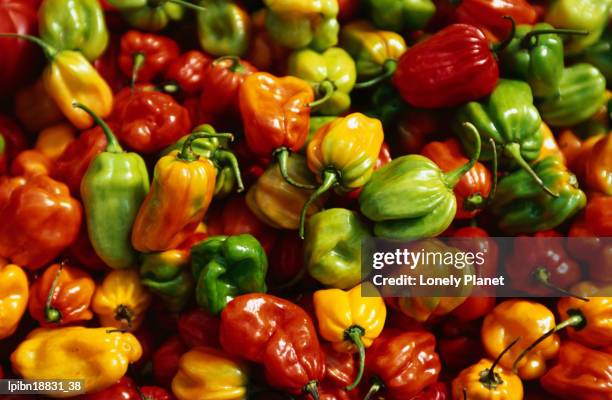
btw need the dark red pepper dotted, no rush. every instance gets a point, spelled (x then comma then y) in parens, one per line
(460, 344)
(166, 360)
(199, 328)
(83, 253)
(188, 71)
(437, 391)
(122, 390)
(14, 142)
(286, 260)
(108, 65)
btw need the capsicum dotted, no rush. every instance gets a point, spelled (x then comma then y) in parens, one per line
(199, 328)
(29, 163)
(590, 322)
(224, 29)
(167, 275)
(187, 71)
(35, 108)
(226, 267)
(14, 294)
(403, 15)
(152, 15)
(600, 55)
(74, 25)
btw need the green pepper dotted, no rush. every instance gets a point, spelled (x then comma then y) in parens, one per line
(401, 15)
(215, 149)
(316, 122)
(535, 55)
(112, 191)
(332, 247)
(224, 28)
(509, 117)
(520, 206)
(411, 197)
(331, 74)
(600, 56)
(225, 267)
(74, 25)
(167, 275)
(152, 15)
(386, 104)
(581, 93)
(590, 15)
(301, 23)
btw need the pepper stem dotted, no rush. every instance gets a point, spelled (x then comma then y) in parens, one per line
(377, 386)
(311, 388)
(235, 66)
(542, 275)
(488, 377)
(124, 315)
(282, 158)
(453, 177)
(188, 5)
(527, 42)
(207, 131)
(326, 87)
(330, 179)
(169, 87)
(354, 334)
(52, 314)
(49, 50)
(514, 151)
(138, 61)
(389, 68)
(501, 46)
(228, 158)
(476, 201)
(112, 145)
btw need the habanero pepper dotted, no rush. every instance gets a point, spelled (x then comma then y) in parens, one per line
(598, 166)
(590, 322)
(550, 147)
(265, 53)
(152, 15)
(61, 295)
(401, 16)
(40, 220)
(14, 293)
(278, 334)
(82, 252)
(30, 163)
(35, 109)
(286, 260)
(14, 141)
(600, 55)
(188, 71)
(107, 65)
(167, 276)
(459, 344)
(52, 141)
(340, 368)
(199, 328)
(112, 189)
(166, 360)
(224, 29)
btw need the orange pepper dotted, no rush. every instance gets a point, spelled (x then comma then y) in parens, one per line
(598, 166)
(52, 141)
(13, 297)
(549, 145)
(30, 163)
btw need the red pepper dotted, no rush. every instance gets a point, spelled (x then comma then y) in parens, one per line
(473, 187)
(14, 141)
(414, 129)
(540, 265)
(71, 166)
(221, 83)
(199, 328)
(108, 65)
(460, 344)
(188, 71)
(402, 364)
(473, 308)
(277, 334)
(347, 10)
(145, 56)
(286, 260)
(340, 368)
(154, 393)
(30, 163)
(452, 67)
(148, 120)
(20, 58)
(166, 360)
(122, 390)
(437, 391)
(146, 338)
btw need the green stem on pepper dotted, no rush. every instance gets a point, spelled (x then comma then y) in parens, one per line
(112, 145)
(52, 314)
(50, 51)
(389, 68)
(282, 158)
(325, 91)
(331, 176)
(542, 275)
(488, 377)
(354, 334)
(452, 178)
(514, 151)
(377, 386)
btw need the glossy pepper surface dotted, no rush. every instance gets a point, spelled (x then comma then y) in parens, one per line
(593, 320)
(278, 334)
(121, 300)
(489, 15)
(479, 385)
(167, 275)
(98, 356)
(350, 321)
(30, 163)
(74, 25)
(112, 190)
(400, 16)
(14, 294)
(522, 207)
(148, 15)
(35, 108)
(453, 66)
(52, 141)
(226, 267)
(61, 295)
(224, 29)
(332, 75)
(207, 373)
(40, 219)
(145, 56)
(187, 71)
(332, 247)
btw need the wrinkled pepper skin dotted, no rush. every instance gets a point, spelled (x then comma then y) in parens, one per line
(525, 319)
(121, 300)
(156, 52)
(489, 14)
(30, 163)
(332, 247)
(278, 203)
(278, 334)
(35, 108)
(167, 275)
(112, 190)
(582, 91)
(505, 386)
(331, 71)
(148, 15)
(453, 66)
(14, 293)
(402, 15)
(580, 374)
(95, 355)
(521, 206)
(74, 25)
(275, 112)
(206, 373)
(61, 295)
(187, 71)
(595, 329)
(226, 267)
(224, 29)
(181, 192)
(598, 166)
(52, 141)
(39, 220)
(375, 52)
(538, 60)
(590, 15)
(301, 23)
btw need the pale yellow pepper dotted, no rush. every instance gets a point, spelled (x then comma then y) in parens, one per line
(13, 297)
(52, 141)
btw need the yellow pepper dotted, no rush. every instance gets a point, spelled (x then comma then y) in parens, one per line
(350, 321)
(591, 289)
(422, 309)
(528, 321)
(486, 380)
(209, 374)
(549, 145)
(98, 356)
(52, 141)
(121, 300)
(13, 298)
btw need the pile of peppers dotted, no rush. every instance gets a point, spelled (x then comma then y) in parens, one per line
(185, 187)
